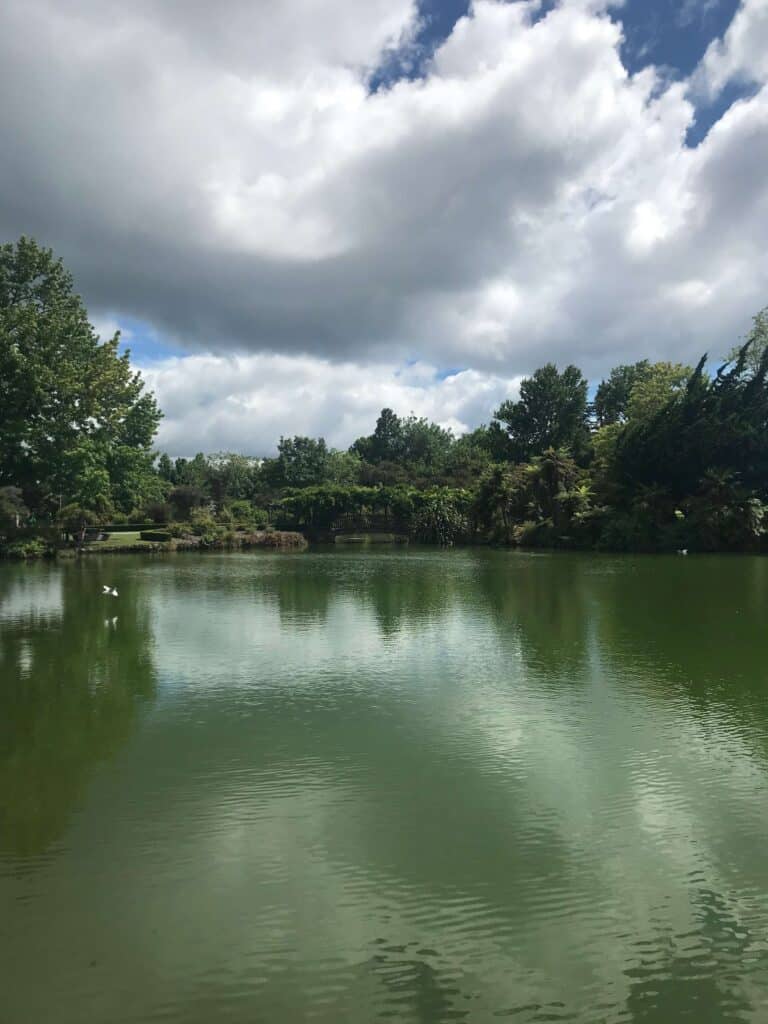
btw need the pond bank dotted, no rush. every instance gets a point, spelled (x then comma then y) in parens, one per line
(129, 543)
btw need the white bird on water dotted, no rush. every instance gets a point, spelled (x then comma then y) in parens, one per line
(109, 590)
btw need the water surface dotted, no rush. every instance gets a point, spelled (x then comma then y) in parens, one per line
(412, 786)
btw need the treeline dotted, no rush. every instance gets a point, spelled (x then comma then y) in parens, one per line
(662, 457)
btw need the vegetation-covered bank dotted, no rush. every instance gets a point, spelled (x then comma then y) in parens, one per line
(661, 456)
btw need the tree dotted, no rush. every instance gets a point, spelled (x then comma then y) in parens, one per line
(231, 476)
(550, 413)
(192, 472)
(711, 424)
(165, 469)
(71, 407)
(74, 521)
(757, 340)
(469, 458)
(302, 461)
(184, 498)
(343, 468)
(613, 394)
(654, 387)
(12, 507)
(424, 444)
(386, 442)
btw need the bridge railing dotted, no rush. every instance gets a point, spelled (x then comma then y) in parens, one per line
(368, 523)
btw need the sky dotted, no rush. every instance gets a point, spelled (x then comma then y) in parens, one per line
(297, 214)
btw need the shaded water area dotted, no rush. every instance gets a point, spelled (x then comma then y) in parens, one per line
(384, 786)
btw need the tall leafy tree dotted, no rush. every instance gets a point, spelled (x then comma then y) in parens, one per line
(425, 443)
(757, 342)
(613, 394)
(550, 413)
(385, 444)
(302, 461)
(655, 387)
(75, 421)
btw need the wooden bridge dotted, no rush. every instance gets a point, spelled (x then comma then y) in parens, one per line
(376, 526)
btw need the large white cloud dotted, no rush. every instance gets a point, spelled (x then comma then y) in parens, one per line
(743, 53)
(247, 402)
(223, 173)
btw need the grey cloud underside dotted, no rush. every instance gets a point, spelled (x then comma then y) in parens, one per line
(527, 201)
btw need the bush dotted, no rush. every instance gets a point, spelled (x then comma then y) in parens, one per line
(179, 529)
(245, 514)
(158, 536)
(440, 520)
(32, 547)
(13, 511)
(185, 498)
(159, 512)
(74, 520)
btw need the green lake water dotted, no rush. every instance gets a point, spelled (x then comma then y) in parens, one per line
(394, 785)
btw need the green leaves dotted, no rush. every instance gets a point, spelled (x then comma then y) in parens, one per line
(74, 416)
(550, 413)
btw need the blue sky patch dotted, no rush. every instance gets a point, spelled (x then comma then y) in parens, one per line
(145, 344)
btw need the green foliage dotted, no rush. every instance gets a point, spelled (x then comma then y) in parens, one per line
(13, 511)
(613, 394)
(442, 518)
(184, 499)
(667, 456)
(204, 526)
(655, 387)
(191, 472)
(158, 536)
(159, 511)
(756, 342)
(75, 420)
(550, 413)
(29, 547)
(385, 443)
(301, 462)
(413, 442)
(230, 476)
(74, 519)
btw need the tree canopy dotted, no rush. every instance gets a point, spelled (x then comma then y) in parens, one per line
(666, 455)
(76, 424)
(550, 413)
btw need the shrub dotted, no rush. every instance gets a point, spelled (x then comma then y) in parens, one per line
(185, 498)
(74, 519)
(13, 511)
(440, 520)
(204, 524)
(159, 512)
(246, 514)
(179, 529)
(32, 547)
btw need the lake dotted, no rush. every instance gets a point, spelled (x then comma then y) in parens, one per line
(385, 785)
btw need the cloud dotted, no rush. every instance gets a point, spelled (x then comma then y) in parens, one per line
(742, 55)
(224, 174)
(246, 402)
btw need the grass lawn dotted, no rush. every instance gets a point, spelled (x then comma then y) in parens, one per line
(120, 540)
